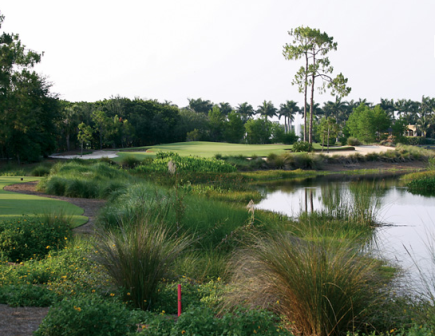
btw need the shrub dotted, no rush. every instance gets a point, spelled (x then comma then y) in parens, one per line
(90, 316)
(290, 138)
(415, 141)
(207, 294)
(353, 142)
(304, 161)
(130, 161)
(107, 160)
(137, 257)
(30, 237)
(302, 146)
(322, 287)
(40, 171)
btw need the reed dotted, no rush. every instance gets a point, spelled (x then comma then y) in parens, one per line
(323, 287)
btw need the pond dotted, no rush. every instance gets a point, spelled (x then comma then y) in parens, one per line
(408, 220)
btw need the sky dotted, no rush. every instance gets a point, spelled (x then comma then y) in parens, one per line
(223, 50)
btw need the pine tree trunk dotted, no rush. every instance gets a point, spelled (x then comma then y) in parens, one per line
(310, 140)
(305, 97)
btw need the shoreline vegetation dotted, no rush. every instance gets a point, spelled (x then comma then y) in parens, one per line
(182, 219)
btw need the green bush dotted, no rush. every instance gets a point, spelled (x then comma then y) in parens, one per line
(289, 138)
(202, 321)
(26, 296)
(89, 315)
(302, 146)
(353, 142)
(130, 161)
(31, 237)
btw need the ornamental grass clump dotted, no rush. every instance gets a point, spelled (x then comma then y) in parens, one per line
(138, 256)
(322, 287)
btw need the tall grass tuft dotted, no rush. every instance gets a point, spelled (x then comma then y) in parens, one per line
(138, 256)
(323, 288)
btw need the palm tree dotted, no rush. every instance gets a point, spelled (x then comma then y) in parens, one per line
(337, 109)
(245, 110)
(365, 102)
(225, 108)
(267, 109)
(388, 106)
(424, 124)
(288, 111)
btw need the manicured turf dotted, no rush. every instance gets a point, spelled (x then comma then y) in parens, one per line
(208, 149)
(15, 204)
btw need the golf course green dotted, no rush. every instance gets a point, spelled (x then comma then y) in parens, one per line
(206, 149)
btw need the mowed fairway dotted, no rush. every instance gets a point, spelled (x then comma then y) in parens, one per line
(207, 149)
(15, 204)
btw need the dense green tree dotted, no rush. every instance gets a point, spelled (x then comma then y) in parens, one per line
(234, 128)
(258, 131)
(216, 121)
(190, 121)
(28, 111)
(367, 123)
(200, 106)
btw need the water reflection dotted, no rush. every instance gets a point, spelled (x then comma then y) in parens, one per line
(409, 218)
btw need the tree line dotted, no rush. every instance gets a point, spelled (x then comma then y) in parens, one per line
(34, 122)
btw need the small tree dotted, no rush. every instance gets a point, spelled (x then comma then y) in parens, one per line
(84, 135)
(329, 129)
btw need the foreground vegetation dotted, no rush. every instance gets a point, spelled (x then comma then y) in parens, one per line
(243, 271)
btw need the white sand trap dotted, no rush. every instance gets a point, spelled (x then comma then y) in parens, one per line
(95, 155)
(363, 150)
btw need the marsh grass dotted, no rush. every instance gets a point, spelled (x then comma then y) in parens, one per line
(138, 256)
(202, 265)
(322, 288)
(85, 180)
(212, 223)
(421, 181)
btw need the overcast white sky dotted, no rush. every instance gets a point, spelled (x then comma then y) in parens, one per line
(223, 50)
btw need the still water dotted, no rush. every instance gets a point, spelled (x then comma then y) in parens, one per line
(408, 220)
